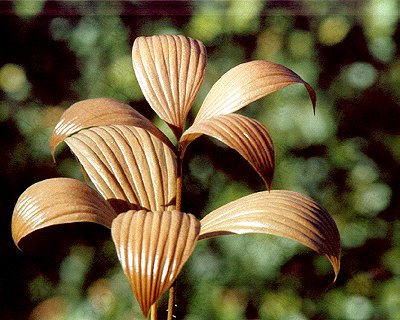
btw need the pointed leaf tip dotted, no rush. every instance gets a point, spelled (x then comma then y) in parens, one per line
(312, 94)
(152, 248)
(245, 135)
(247, 83)
(282, 213)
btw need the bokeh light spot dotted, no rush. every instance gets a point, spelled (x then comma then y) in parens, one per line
(205, 26)
(364, 173)
(380, 17)
(391, 260)
(101, 296)
(354, 234)
(60, 28)
(269, 44)
(300, 43)
(383, 48)
(120, 77)
(28, 8)
(358, 308)
(12, 78)
(281, 305)
(85, 36)
(50, 309)
(244, 15)
(333, 30)
(372, 199)
(361, 75)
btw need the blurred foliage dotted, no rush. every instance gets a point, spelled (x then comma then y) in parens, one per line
(347, 157)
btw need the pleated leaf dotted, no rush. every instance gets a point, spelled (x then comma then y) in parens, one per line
(247, 136)
(282, 213)
(99, 112)
(170, 70)
(152, 248)
(246, 83)
(57, 201)
(129, 166)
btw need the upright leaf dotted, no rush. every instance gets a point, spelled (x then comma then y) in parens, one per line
(128, 165)
(282, 213)
(57, 201)
(170, 70)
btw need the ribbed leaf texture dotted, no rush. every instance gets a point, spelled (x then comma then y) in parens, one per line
(57, 201)
(130, 167)
(282, 213)
(152, 248)
(170, 70)
(100, 112)
(246, 83)
(237, 88)
(247, 136)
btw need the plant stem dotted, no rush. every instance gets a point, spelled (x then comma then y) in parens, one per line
(178, 206)
(153, 311)
(171, 302)
(178, 201)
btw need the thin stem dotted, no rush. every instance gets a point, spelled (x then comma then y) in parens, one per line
(178, 202)
(178, 205)
(171, 302)
(153, 311)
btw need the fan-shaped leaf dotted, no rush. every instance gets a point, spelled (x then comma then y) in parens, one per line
(282, 213)
(247, 136)
(57, 201)
(100, 112)
(128, 165)
(246, 83)
(170, 71)
(152, 248)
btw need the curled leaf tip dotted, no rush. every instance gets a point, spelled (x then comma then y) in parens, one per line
(247, 83)
(335, 262)
(245, 135)
(282, 213)
(312, 94)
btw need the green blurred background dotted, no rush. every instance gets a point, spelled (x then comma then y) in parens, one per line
(347, 156)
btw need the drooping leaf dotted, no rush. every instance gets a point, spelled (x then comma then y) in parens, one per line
(57, 201)
(247, 136)
(152, 248)
(170, 70)
(128, 165)
(246, 83)
(100, 112)
(282, 213)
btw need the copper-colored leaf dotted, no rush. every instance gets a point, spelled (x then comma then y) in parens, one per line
(152, 248)
(100, 112)
(246, 83)
(57, 201)
(247, 136)
(283, 213)
(170, 70)
(128, 165)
